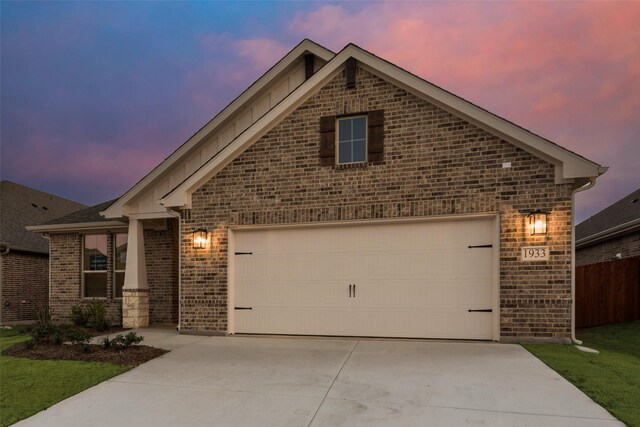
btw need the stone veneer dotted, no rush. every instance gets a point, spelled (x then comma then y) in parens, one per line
(434, 164)
(627, 245)
(162, 275)
(25, 285)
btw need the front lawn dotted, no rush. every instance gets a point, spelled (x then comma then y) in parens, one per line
(29, 386)
(611, 378)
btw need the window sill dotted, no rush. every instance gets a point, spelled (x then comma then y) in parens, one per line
(358, 165)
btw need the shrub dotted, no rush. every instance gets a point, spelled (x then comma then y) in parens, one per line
(43, 317)
(98, 314)
(30, 344)
(106, 343)
(86, 348)
(80, 315)
(126, 341)
(78, 336)
(57, 338)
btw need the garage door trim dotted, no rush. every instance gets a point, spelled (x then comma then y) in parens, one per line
(495, 297)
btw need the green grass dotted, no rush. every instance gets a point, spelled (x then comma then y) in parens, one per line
(29, 386)
(611, 378)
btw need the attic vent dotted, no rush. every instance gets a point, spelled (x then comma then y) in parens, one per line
(308, 65)
(634, 201)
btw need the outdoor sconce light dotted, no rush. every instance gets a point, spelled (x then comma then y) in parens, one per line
(200, 237)
(537, 222)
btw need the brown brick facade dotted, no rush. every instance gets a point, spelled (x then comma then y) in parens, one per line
(627, 245)
(25, 285)
(434, 164)
(162, 275)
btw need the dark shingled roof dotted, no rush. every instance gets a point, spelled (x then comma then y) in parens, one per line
(624, 210)
(90, 214)
(21, 206)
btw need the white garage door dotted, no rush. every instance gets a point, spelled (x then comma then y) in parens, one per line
(406, 279)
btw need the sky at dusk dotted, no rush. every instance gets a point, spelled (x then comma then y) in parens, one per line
(95, 94)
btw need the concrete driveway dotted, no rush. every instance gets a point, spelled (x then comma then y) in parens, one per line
(256, 381)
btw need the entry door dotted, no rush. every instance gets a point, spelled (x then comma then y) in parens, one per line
(405, 279)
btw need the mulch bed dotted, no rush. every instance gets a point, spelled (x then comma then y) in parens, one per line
(132, 356)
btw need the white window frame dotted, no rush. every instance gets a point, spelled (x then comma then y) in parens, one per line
(366, 138)
(105, 271)
(115, 271)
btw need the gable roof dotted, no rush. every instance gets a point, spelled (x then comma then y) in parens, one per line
(619, 218)
(116, 210)
(21, 206)
(570, 167)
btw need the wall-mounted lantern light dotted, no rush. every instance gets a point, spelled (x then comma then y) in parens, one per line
(537, 222)
(200, 237)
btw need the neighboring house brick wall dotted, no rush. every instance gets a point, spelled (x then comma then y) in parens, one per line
(66, 277)
(627, 245)
(25, 285)
(435, 164)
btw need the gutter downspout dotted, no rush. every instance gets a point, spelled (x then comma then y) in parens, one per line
(587, 186)
(177, 215)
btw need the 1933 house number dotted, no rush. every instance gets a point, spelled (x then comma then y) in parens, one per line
(535, 253)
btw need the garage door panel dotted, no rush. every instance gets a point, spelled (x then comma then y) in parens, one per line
(412, 280)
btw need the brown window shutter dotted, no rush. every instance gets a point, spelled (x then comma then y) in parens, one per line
(328, 140)
(375, 144)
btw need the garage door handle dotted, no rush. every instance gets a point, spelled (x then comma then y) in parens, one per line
(354, 291)
(243, 308)
(483, 310)
(350, 291)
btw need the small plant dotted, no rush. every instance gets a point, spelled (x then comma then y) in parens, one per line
(57, 338)
(43, 328)
(78, 336)
(30, 344)
(80, 315)
(126, 341)
(98, 315)
(86, 348)
(106, 343)
(43, 317)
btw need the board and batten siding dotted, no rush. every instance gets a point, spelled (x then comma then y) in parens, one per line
(434, 164)
(149, 201)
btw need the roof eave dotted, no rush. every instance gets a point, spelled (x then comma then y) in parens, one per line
(78, 226)
(610, 233)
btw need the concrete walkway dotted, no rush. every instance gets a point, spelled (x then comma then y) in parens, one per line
(255, 381)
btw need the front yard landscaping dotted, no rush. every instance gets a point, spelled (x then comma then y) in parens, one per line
(48, 363)
(612, 377)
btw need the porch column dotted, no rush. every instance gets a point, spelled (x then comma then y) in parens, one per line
(135, 292)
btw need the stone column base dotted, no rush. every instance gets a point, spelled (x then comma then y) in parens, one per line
(135, 308)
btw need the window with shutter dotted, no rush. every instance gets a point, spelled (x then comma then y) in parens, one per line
(357, 139)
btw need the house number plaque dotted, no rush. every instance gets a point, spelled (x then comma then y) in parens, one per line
(535, 253)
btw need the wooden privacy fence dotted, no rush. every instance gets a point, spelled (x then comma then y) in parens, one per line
(608, 292)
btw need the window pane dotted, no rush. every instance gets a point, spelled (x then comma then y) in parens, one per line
(359, 128)
(359, 151)
(120, 263)
(95, 285)
(117, 289)
(344, 130)
(95, 252)
(344, 154)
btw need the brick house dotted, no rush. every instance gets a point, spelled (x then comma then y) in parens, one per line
(340, 195)
(24, 260)
(612, 233)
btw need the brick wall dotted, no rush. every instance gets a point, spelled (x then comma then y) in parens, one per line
(25, 285)
(627, 245)
(66, 275)
(434, 164)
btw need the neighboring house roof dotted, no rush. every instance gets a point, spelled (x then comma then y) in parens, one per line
(87, 218)
(21, 206)
(619, 218)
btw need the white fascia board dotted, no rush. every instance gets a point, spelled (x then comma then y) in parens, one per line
(568, 165)
(79, 226)
(117, 209)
